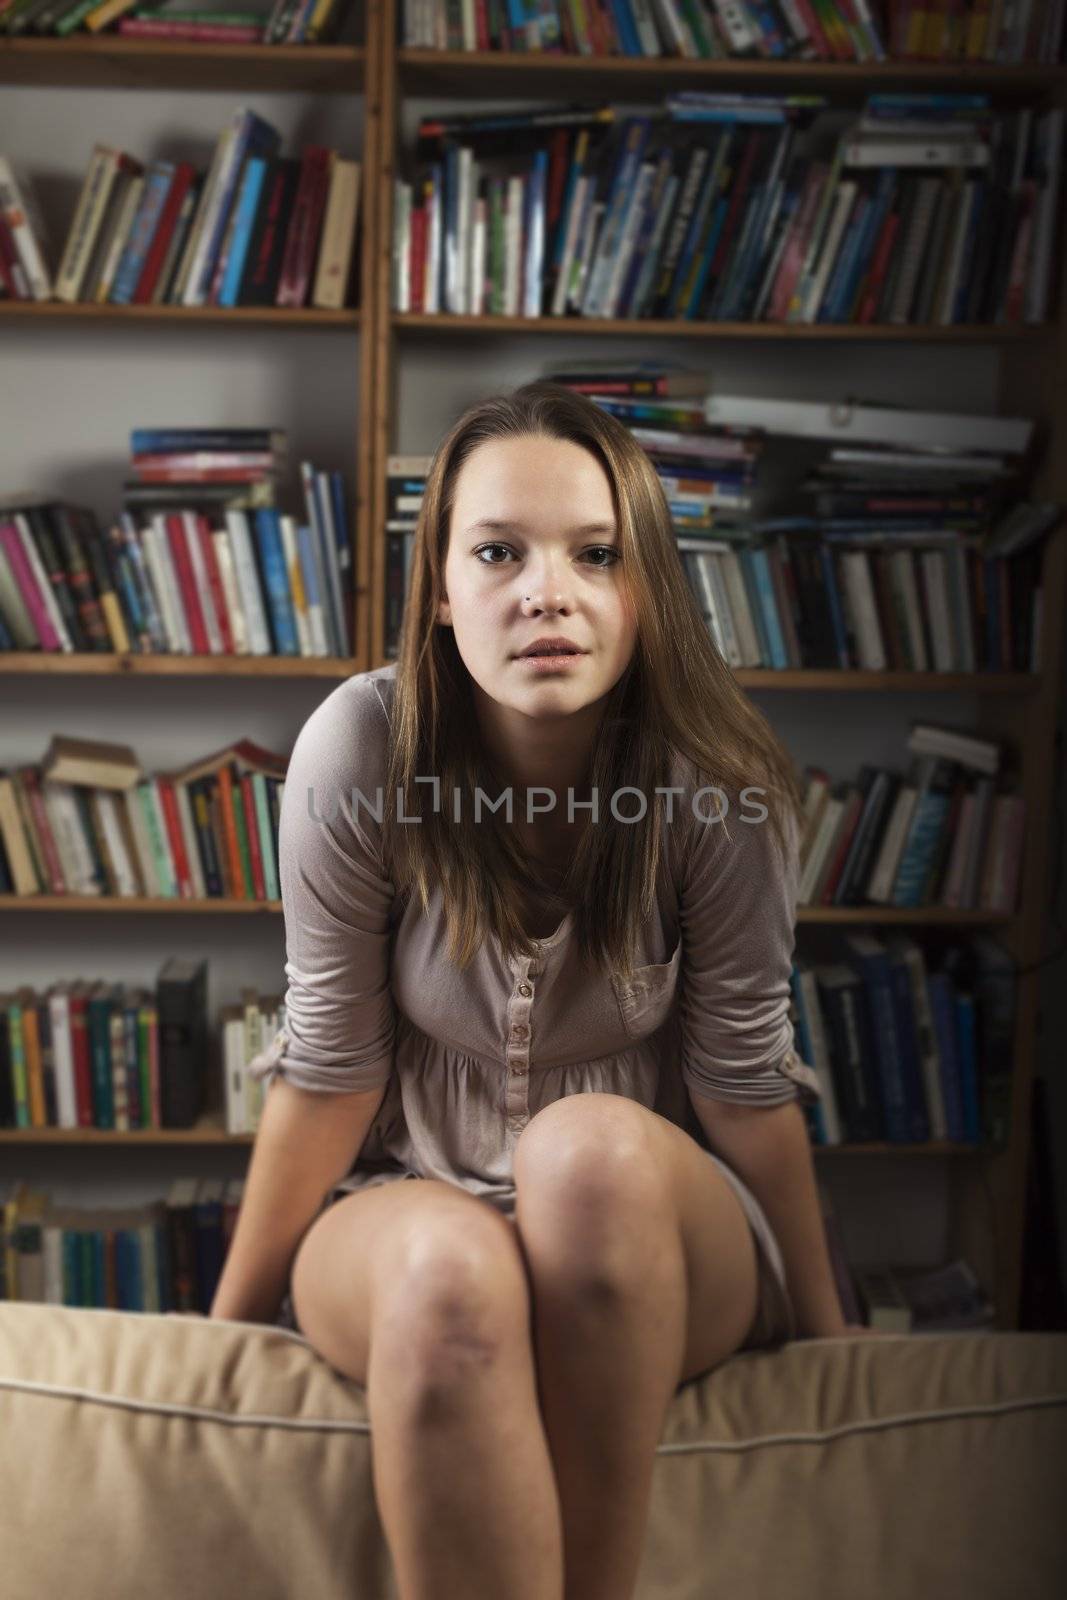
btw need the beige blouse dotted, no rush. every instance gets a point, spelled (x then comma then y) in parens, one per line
(468, 1057)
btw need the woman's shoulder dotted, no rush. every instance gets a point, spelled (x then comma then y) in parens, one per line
(346, 737)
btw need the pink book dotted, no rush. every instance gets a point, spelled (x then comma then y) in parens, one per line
(27, 586)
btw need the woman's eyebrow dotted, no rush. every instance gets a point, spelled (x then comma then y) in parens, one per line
(503, 525)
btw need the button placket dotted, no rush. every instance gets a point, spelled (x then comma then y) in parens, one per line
(517, 1051)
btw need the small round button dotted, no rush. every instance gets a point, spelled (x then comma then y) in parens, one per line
(519, 1031)
(519, 1070)
(525, 988)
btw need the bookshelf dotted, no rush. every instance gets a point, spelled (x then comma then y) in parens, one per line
(983, 1191)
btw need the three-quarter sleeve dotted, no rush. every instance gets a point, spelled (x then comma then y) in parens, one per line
(738, 919)
(339, 1020)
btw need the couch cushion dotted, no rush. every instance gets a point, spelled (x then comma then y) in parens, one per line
(178, 1456)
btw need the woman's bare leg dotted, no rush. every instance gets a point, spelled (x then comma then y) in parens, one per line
(417, 1290)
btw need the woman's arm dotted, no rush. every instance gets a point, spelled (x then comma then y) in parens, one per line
(770, 1149)
(306, 1142)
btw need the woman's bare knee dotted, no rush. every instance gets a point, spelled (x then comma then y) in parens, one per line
(428, 1278)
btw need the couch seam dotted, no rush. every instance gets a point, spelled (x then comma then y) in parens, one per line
(310, 1424)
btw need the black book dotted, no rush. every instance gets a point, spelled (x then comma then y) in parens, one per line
(266, 246)
(181, 1001)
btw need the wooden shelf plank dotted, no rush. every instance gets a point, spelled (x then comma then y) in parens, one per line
(561, 76)
(111, 61)
(677, 328)
(935, 916)
(138, 903)
(164, 666)
(58, 312)
(207, 1131)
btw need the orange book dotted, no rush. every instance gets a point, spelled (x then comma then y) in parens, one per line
(229, 828)
(31, 1048)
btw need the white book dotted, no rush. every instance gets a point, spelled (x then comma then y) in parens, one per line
(108, 812)
(74, 853)
(192, 288)
(713, 564)
(534, 257)
(177, 626)
(705, 594)
(644, 22)
(220, 538)
(632, 221)
(139, 829)
(432, 284)
(880, 887)
(942, 310)
(736, 23)
(844, 200)
(62, 1056)
(248, 583)
(470, 34)
(18, 203)
(88, 214)
(323, 526)
(981, 755)
(41, 579)
(744, 623)
(479, 246)
(203, 584)
(314, 583)
(294, 577)
(402, 201)
(570, 242)
(233, 1055)
(820, 848)
(860, 593)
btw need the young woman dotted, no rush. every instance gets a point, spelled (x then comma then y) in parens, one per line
(532, 1155)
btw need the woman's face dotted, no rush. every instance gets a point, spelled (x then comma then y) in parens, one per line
(533, 552)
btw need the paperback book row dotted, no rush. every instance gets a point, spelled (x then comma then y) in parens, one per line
(166, 1255)
(908, 1046)
(257, 229)
(941, 834)
(108, 1055)
(89, 821)
(126, 1058)
(247, 22)
(926, 209)
(769, 30)
(192, 566)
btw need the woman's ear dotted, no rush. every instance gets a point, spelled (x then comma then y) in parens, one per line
(444, 612)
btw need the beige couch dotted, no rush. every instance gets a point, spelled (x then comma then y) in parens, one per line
(175, 1458)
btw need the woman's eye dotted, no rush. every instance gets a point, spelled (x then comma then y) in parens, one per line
(600, 549)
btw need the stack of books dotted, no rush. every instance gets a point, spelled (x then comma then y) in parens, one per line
(200, 561)
(250, 22)
(258, 229)
(945, 1299)
(908, 1045)
(89, 821)
(769, 30)
(97, 1054)
(941, 835)
(164, 1256)
(924, 209)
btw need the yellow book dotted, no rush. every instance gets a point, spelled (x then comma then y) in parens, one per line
(110, 11)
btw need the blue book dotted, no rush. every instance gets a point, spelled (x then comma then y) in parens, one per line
(868, 955)
(341, 526)
(246, 203)
(815, 1114)
(765, 589)
(936, 777)
(749, 577)
(252, 136)
(625, 27)
(837, 615)
(139, 240)
(694, 304)
(534, 234)
(635, 133)
(908, 1036)
(99, 1289)
(276, 581)
(942, 1004)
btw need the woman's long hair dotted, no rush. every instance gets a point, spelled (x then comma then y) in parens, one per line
(676, 695)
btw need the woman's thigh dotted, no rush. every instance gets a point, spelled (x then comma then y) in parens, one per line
(416, 1255)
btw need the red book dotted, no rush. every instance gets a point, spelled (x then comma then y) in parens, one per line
(169, 804)
(31, 788)
(186, 582)
(815, 29)
(417, 259)
(301, 241)
(214, 578)
(184, 174)
(482, 39)
(879, 267)
(248, 800)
